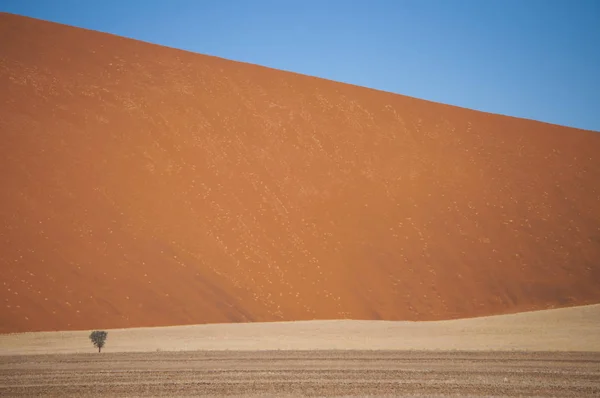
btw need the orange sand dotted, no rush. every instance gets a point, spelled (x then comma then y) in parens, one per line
(148, 186)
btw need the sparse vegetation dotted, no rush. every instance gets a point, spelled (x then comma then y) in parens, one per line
(98, 338)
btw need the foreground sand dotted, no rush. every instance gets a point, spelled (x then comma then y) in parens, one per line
(568, 329)
(303, 373)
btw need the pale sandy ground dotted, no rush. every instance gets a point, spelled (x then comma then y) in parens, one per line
(498, 356)
(569, 329)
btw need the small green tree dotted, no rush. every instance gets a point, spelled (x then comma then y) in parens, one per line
(98, 338)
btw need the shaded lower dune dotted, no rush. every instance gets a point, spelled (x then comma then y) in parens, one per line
(146, 186)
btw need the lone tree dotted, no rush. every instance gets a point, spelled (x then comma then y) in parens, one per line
(98, 338)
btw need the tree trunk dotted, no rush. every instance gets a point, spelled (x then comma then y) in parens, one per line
(99, 348)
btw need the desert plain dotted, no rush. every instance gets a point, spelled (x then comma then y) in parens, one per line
(552, 353)
(240, 230)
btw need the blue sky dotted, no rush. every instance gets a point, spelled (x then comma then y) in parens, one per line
(537, 59)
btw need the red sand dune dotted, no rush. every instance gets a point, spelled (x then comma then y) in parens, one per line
(143, 185)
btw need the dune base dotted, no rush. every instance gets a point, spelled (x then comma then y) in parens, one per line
(566, 329)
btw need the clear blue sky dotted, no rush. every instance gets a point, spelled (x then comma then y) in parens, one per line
(538, 59)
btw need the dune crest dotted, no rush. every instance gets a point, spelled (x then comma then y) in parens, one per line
(148, 186)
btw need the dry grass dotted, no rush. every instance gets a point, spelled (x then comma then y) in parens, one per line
(569, 329)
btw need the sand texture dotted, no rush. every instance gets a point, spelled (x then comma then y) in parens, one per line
(303, 373)
(147, 186)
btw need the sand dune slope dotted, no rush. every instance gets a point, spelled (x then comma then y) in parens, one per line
(147, 186)
(566, 329)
